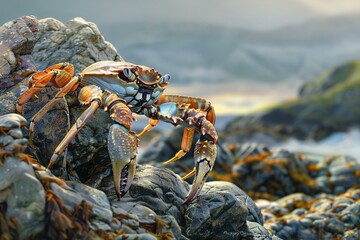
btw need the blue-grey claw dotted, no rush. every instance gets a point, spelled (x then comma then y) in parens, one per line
(122, 146)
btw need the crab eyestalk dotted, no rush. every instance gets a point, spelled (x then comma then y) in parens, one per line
(204, 156)
(122, 145)
(164, 79)
(129, 74)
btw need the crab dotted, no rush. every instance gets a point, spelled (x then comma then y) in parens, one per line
(123, 88)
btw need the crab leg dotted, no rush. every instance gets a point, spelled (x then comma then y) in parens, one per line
(89, 94)
(58, 75)
(70, 86)
(186, 143)
(152, 123)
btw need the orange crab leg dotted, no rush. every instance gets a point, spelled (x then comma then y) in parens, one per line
(59, 75)
(70, 86)
(152, 123)
(80, 122)
(186, 143)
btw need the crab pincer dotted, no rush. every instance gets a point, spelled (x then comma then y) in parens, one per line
(205, 149)
(122, 146)
(204, 157)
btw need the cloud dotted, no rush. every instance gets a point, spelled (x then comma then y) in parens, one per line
(332, 7)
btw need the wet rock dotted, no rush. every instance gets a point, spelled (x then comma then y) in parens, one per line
(159, 193)
(23, 197)
(271, 173)
(11, 137)
(268, 174)
(256, 231)
(206, 218)
(155, 195)
(323, 216)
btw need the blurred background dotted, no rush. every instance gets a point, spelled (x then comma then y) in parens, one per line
(242, 55)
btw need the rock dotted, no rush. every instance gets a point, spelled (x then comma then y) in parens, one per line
(324, 216)
(216, 211)
(330, 79)
(23, 197)
(11, 137)
(256, 231)
(50, 41)
(17, 39)
(267, 174)
(271, 174)
(78, 42)
(27, 193)
(158, 193)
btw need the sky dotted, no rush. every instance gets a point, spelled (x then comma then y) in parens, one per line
(251, 14)
(255, 15)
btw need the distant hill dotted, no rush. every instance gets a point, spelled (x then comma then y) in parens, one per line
(327, 104)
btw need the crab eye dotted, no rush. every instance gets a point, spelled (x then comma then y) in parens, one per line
(129, 74)
(164, 79)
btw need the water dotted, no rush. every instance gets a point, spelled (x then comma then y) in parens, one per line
(344, 143)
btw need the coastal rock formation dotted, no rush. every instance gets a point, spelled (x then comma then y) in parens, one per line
(326, 105)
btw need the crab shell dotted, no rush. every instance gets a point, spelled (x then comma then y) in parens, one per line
(141, 90)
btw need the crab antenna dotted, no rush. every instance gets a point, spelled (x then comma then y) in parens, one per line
(164, 78)
(129, 74)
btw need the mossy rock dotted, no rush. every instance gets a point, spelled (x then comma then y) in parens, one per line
(326, 105)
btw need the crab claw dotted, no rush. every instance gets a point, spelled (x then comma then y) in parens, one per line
(122, 146)
(205, 154)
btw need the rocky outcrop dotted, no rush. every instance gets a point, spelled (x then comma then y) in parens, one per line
(274, 174)
(18, 38)
(34, 203)
(78, 42)
(37, 44)
(326, 105)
